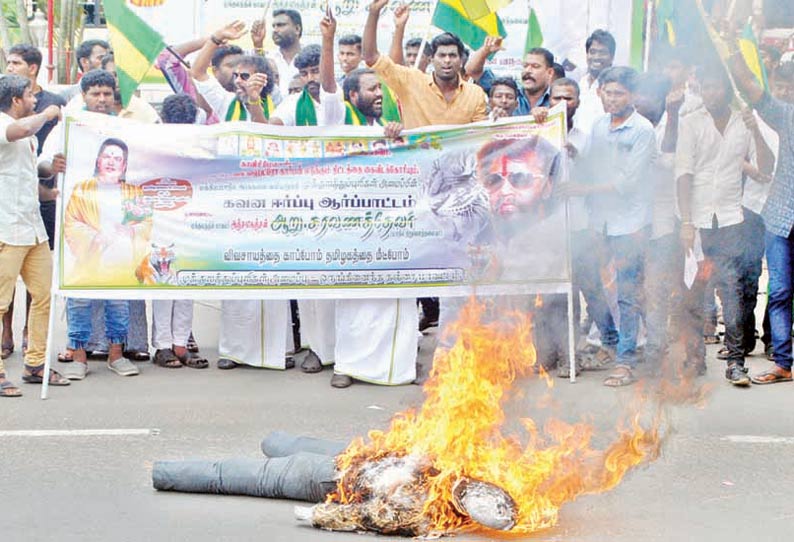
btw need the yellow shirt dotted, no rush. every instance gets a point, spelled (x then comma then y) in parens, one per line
(423, 103)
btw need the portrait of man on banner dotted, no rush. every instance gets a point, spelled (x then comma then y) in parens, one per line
(107, 224)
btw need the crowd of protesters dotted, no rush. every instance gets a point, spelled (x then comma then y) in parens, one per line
(674, 193)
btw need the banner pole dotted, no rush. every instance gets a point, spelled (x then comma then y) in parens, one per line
(648, 29)
(426, 37)
(571, 339)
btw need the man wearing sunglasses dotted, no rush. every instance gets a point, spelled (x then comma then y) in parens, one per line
(251, 78)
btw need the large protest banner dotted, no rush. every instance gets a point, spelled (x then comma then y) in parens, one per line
(242, 210)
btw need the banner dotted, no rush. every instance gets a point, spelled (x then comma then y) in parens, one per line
(241, 210)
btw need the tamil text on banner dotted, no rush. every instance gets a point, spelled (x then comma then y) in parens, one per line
(242, 210)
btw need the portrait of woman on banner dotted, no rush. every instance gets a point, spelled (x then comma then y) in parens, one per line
(107, 224)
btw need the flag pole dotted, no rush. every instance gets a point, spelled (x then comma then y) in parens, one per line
(426, 37)
(646, 57)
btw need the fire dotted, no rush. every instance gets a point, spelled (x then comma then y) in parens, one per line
(459, 430)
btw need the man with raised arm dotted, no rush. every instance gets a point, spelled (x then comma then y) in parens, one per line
(442, 97)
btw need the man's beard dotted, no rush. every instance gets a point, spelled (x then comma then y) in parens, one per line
(285, 42)
(313, 88)
(369, 109)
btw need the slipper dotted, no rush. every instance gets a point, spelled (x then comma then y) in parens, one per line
(7, 350)
(9, 389)
(136, 355)
(165, 357)
(772, 376)
(311, 363)
(602, 359)
(622, 376)
(711, 339)
(194, 361)
(35, 377)
(226, 364)
(66, 357)
(192, 346)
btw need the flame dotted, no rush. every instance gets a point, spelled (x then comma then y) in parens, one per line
(459, 429)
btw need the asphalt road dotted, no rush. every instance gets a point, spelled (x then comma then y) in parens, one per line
(725, 473)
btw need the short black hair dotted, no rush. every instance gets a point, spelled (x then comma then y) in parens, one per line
(785, 72)
(107, 59)
(351, 39)
(565, 82)
(179, 109)
(548, 57)
(85, 49)
(30, 54)
(352, 82)
(260, 65)
(504, 82)
(294, 16)
(654, 84)
(12, 86)
(447, 38)
(604, 38)
(309, 56)
(715, 73)
(413, 42)
(222, 52)
(559, 70)
(622, 75)
(773, 52)
(97, 78)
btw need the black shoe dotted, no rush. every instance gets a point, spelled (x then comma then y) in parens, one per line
(341, 381)
(769, 351)
(425, 323)
(737, 375)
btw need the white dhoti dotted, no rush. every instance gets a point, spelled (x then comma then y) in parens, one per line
(172, 321)
(376, 340)
(317, 327)
(252, 333)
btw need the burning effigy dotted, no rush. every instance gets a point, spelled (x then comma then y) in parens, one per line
(457, 463)
(451, 466)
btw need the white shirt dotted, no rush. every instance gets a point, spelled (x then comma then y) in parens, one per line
(286, 70)
(577, 208)
(715, 161)
(332, 108)
(286, 110)
(755, 193)
(20, 219)
(217, 97)
(138, 109)
(664, 186)
(590, 106)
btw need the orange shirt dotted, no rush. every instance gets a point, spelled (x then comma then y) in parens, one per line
(423, 103)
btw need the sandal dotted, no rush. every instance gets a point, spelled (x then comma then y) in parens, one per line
(66, 357)
(7, 350)
(311, 363)
(166, 358)
(601, 360)
(772, 376)
(621, 376)
(136, 355)
(193, 361)
(34, 375)
(711, 339)
(192, 345)
(8, 388)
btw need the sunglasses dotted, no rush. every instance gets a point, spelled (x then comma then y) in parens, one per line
(517, 180)
(242, 75)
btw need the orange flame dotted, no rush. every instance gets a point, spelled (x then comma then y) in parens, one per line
(458, 429)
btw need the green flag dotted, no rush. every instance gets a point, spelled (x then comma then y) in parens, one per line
(135, 46)
(534, 33)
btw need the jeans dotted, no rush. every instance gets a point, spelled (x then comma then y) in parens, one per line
(78, 318)
(664, 267)
(780, 259)
(137, 330)
(753, 254)
(628, 253)
(586, 265)
(722, 248)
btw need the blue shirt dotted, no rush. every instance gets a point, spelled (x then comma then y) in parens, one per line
(778, 211)
(620, 157)
(486, 82)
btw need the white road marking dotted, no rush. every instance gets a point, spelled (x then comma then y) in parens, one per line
(758, 439)
(79, 433)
